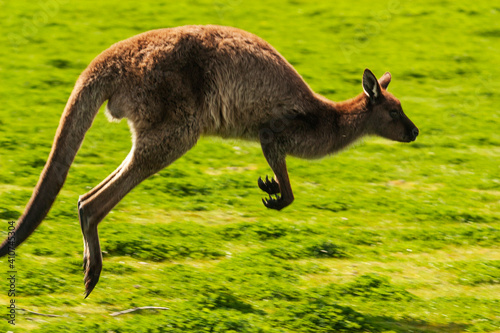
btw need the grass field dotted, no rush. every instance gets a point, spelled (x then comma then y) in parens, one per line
(384, 237)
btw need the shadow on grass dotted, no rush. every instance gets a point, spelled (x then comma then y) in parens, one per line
(7, 214)
(413, 325)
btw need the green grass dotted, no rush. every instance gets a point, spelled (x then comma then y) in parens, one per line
(384, 237)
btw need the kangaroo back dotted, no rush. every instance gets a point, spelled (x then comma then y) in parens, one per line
(89, 94)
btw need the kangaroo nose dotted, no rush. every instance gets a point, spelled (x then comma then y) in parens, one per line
(415, 132)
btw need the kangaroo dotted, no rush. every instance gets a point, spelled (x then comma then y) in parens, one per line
(174, 85)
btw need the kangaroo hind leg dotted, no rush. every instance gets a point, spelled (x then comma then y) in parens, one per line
(104, 182)
(152, 152)
(88, 195)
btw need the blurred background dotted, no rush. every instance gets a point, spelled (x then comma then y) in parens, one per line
(384, 237)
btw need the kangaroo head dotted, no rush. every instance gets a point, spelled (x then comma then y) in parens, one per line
(387, 118)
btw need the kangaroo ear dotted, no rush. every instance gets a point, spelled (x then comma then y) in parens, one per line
(371, 85)
(385, 80)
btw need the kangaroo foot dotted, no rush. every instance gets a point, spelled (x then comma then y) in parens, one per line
(269, 186)
(92, 273)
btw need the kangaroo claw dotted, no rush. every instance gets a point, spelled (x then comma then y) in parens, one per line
(269, 186)
(274, 203)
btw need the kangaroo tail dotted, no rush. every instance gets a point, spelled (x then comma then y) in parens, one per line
(90, 92)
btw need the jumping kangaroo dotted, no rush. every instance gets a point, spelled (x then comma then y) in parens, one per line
(174, 85)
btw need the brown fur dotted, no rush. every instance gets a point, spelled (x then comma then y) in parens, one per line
(174, 85)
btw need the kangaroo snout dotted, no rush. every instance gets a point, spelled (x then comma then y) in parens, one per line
(413, 133)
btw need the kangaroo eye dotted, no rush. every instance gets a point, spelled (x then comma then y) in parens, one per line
(394, 114)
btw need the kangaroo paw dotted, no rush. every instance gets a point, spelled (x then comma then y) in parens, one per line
(92, 273)
(269, 186)
(275, 203)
